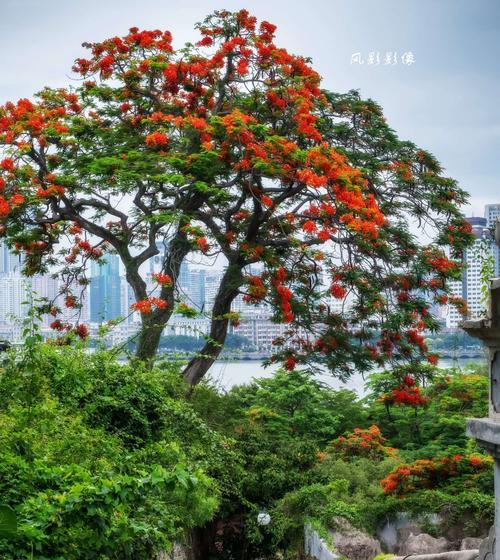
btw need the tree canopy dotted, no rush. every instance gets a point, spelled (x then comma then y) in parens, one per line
(230, 147)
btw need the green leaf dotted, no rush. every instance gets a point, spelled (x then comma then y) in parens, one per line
(8, 521)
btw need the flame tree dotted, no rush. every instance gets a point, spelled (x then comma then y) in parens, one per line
(230, 147)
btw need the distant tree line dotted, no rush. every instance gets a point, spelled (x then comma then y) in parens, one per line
(448, 341)
(195, 343)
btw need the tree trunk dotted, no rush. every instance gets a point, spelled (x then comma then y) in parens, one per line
(150, 334)
(228, 290)
(154, 323)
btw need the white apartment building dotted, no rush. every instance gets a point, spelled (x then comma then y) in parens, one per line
(259, 329)
(45, 287)
(14, 290)
(492, 215)
(13, 293)
(469, 287)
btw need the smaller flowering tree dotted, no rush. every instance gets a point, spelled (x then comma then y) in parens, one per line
(368, 443)
(406, 393)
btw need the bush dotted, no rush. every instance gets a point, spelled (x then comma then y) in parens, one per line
(452, 472)
(424, 431)
(98, 459)
(280, 426)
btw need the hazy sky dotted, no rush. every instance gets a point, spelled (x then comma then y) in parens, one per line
(447, 101)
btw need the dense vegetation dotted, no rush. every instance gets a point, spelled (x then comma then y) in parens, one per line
(106, 460)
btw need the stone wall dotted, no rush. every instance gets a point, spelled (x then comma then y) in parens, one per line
(316, 547)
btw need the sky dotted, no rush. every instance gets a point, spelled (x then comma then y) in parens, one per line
(446, 101)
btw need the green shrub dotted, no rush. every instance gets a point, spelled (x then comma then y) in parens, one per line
(98, 459)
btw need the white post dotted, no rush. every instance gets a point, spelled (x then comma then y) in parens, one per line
(497, 506)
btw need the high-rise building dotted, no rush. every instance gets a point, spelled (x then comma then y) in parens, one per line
(492, 215)
(105, 292)
(46, 288)
(196, 288)
(13, 292)
(213, 279)
(127, 298)
(469, 286)
(191, 286)
(156, 262)
(9, 262)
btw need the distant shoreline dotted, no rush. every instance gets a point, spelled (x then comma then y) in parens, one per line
(258, 357)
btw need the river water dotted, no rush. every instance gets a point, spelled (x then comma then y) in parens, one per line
(227, 374)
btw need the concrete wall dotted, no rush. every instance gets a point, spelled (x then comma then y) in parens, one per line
(316, 547)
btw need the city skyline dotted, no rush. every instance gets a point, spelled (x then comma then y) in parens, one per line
(109, 296)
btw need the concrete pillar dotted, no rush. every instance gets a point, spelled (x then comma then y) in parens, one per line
(486, 431)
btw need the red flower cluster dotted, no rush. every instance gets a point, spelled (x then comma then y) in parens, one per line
(290, 362)
(81, 331)
(157, 139)
(58, 325)
(162, 279)
(82, 246)
(309, 226)
(403, 170)
(7, 164)
(148, 305)
(284, 295)
(266, 201)
(363, 443)
(414, 337)
(4, 207)
(406, 393)
(257, 291)
(428, 474)
(433, 359)
(51, 190)
(17, 200)
(203, 245)
(443, 265)
(337, 291)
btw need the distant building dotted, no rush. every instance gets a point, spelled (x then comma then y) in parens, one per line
(239, 304)
(213, 279)
(47, 288)
(156, 262)
(127, 298)
(9, 262)
(12, 294)
(105, 289)
(187, 326)
(469, 287)
(259, 329)
(492, 215)
(192, 285)
(14, 289)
